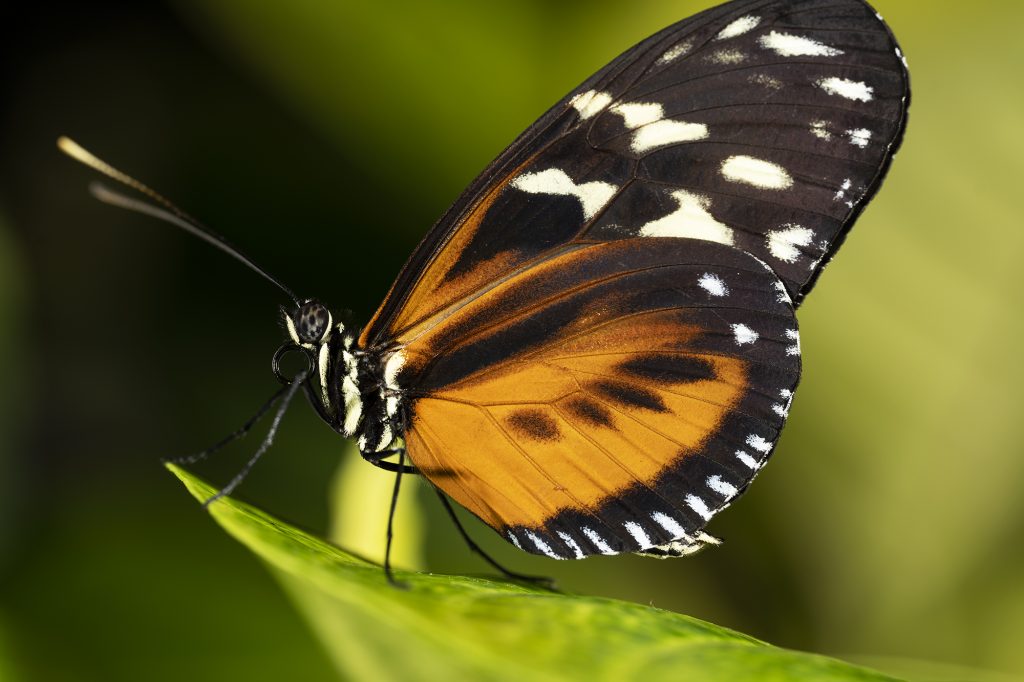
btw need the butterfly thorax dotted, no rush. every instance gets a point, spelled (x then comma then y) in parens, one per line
(357, 394)
(364, 394)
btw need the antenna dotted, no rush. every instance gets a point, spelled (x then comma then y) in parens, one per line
(169, 213)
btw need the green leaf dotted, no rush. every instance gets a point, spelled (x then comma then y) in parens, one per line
(462, 627)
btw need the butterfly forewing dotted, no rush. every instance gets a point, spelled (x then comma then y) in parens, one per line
(764, 125)
(598, 338)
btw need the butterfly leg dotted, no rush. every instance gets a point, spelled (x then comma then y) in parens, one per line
(540, 581)
(231, 438)
(377, 460)
(391, 522)
(268, 440)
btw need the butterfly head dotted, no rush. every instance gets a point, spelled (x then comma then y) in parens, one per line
(310, 324)
(334, 361)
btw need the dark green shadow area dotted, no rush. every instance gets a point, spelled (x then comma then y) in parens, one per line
(462, 627)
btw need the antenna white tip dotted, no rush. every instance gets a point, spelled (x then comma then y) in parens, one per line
(82, 155)
(72, 148)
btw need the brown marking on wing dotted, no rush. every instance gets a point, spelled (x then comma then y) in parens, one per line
(532, 423)
(595, 372)
(572, 426)
(588, 410)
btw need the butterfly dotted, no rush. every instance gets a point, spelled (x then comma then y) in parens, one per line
(595, 349)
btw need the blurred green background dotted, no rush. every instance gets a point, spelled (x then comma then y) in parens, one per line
(325, 138)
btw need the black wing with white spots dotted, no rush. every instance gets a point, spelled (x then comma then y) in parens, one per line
(765, 125)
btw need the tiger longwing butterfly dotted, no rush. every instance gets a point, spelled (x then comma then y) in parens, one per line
(595, 349)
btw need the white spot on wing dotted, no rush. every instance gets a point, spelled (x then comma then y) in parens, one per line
(767, 81)
(723, 488)
(726, 57)
(783, 296)
(844, 87)
(665, 132)
(859, 137)
(669, 524)
(756, 172)
(708, 539)
(539, 543)
(759, 444)
(744, 334)
(783, 243)
(590, 103)
(789, 45)
(787, 399)
(514, 539)
(592, 195)
(739, 27)
(713, 284)
(793, 335)
(598, 541)
(638, 114)
(567, 539)
(899, 53)
(678, 548)
(675, 52)
(692, 219)
(847, 184)
(638, 534)
(699, 506)
(652, 131)
(820, 130)
(749, 461)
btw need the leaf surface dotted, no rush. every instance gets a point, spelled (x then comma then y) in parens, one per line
(471, 628)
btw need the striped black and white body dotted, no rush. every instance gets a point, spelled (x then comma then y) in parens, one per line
(358, 393)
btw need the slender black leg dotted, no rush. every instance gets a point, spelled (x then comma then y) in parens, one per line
(376, 459)
(391, 523)
(540, 581)
(240, 433)
(268, 440)
(393, 467)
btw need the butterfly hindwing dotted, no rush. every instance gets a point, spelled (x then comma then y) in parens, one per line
(610, 399)
(765, 125)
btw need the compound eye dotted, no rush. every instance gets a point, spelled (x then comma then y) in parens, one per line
(312, 321)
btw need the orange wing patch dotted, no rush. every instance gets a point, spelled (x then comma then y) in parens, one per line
(602, 398)
(575, 424)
